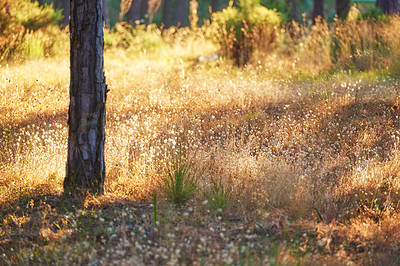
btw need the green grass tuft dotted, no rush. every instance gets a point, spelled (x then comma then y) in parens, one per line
(182, 177)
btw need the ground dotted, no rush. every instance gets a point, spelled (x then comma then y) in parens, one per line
(288, 168)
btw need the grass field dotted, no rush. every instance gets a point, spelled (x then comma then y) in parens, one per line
(286, 168)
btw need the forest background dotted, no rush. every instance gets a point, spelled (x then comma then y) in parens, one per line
(241, 133)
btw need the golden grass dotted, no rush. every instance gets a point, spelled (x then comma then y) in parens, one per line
(312, 165)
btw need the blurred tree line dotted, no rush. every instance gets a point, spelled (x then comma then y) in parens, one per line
(242, 29)
(176, 12)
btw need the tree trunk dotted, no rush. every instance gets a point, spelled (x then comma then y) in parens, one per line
(166, 13)
(389, 7)
(293, 11)
(87, 113)
(144, 7)
(342, 8)
(318, 10)
(215, 6)
(134, 12)
(181, 13)
(105, 14)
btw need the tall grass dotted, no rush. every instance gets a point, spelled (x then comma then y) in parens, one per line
(30, 31)
(311, 163)
(247, 34)
(356, 43)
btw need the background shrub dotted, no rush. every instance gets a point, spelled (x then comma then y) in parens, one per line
(27, 30)
(138, 39)
(242, 30)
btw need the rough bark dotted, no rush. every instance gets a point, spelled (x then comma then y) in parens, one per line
(342, 8)
(87, 114)
(181, 13)
(389, 7)
(318, 10)
(166, 13)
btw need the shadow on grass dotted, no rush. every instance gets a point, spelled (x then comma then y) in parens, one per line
(42, 217)
(39, 218)
(362, 130)
(36, 119)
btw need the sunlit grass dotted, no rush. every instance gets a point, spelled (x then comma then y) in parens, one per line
(276, 152)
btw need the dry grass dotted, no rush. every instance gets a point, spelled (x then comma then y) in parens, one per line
(310, 166)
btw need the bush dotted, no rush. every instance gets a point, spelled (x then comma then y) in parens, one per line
(139, 39)
(240, 31)
(27, 29)
(34, 17)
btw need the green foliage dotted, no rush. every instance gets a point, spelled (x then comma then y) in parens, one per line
(219, 195)
(181, 179)
(27, 29)
(33, 46)
(281, 6)
(228, 19)
(34, 17)
(249, 14)
(138, 39)
(155, 208)
(242, 30)
(375, 15)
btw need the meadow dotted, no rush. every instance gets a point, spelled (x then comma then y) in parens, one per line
(283, 161)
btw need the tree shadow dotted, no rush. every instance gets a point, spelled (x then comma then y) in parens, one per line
(34, 118)
(370, 125)
(40, 217)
